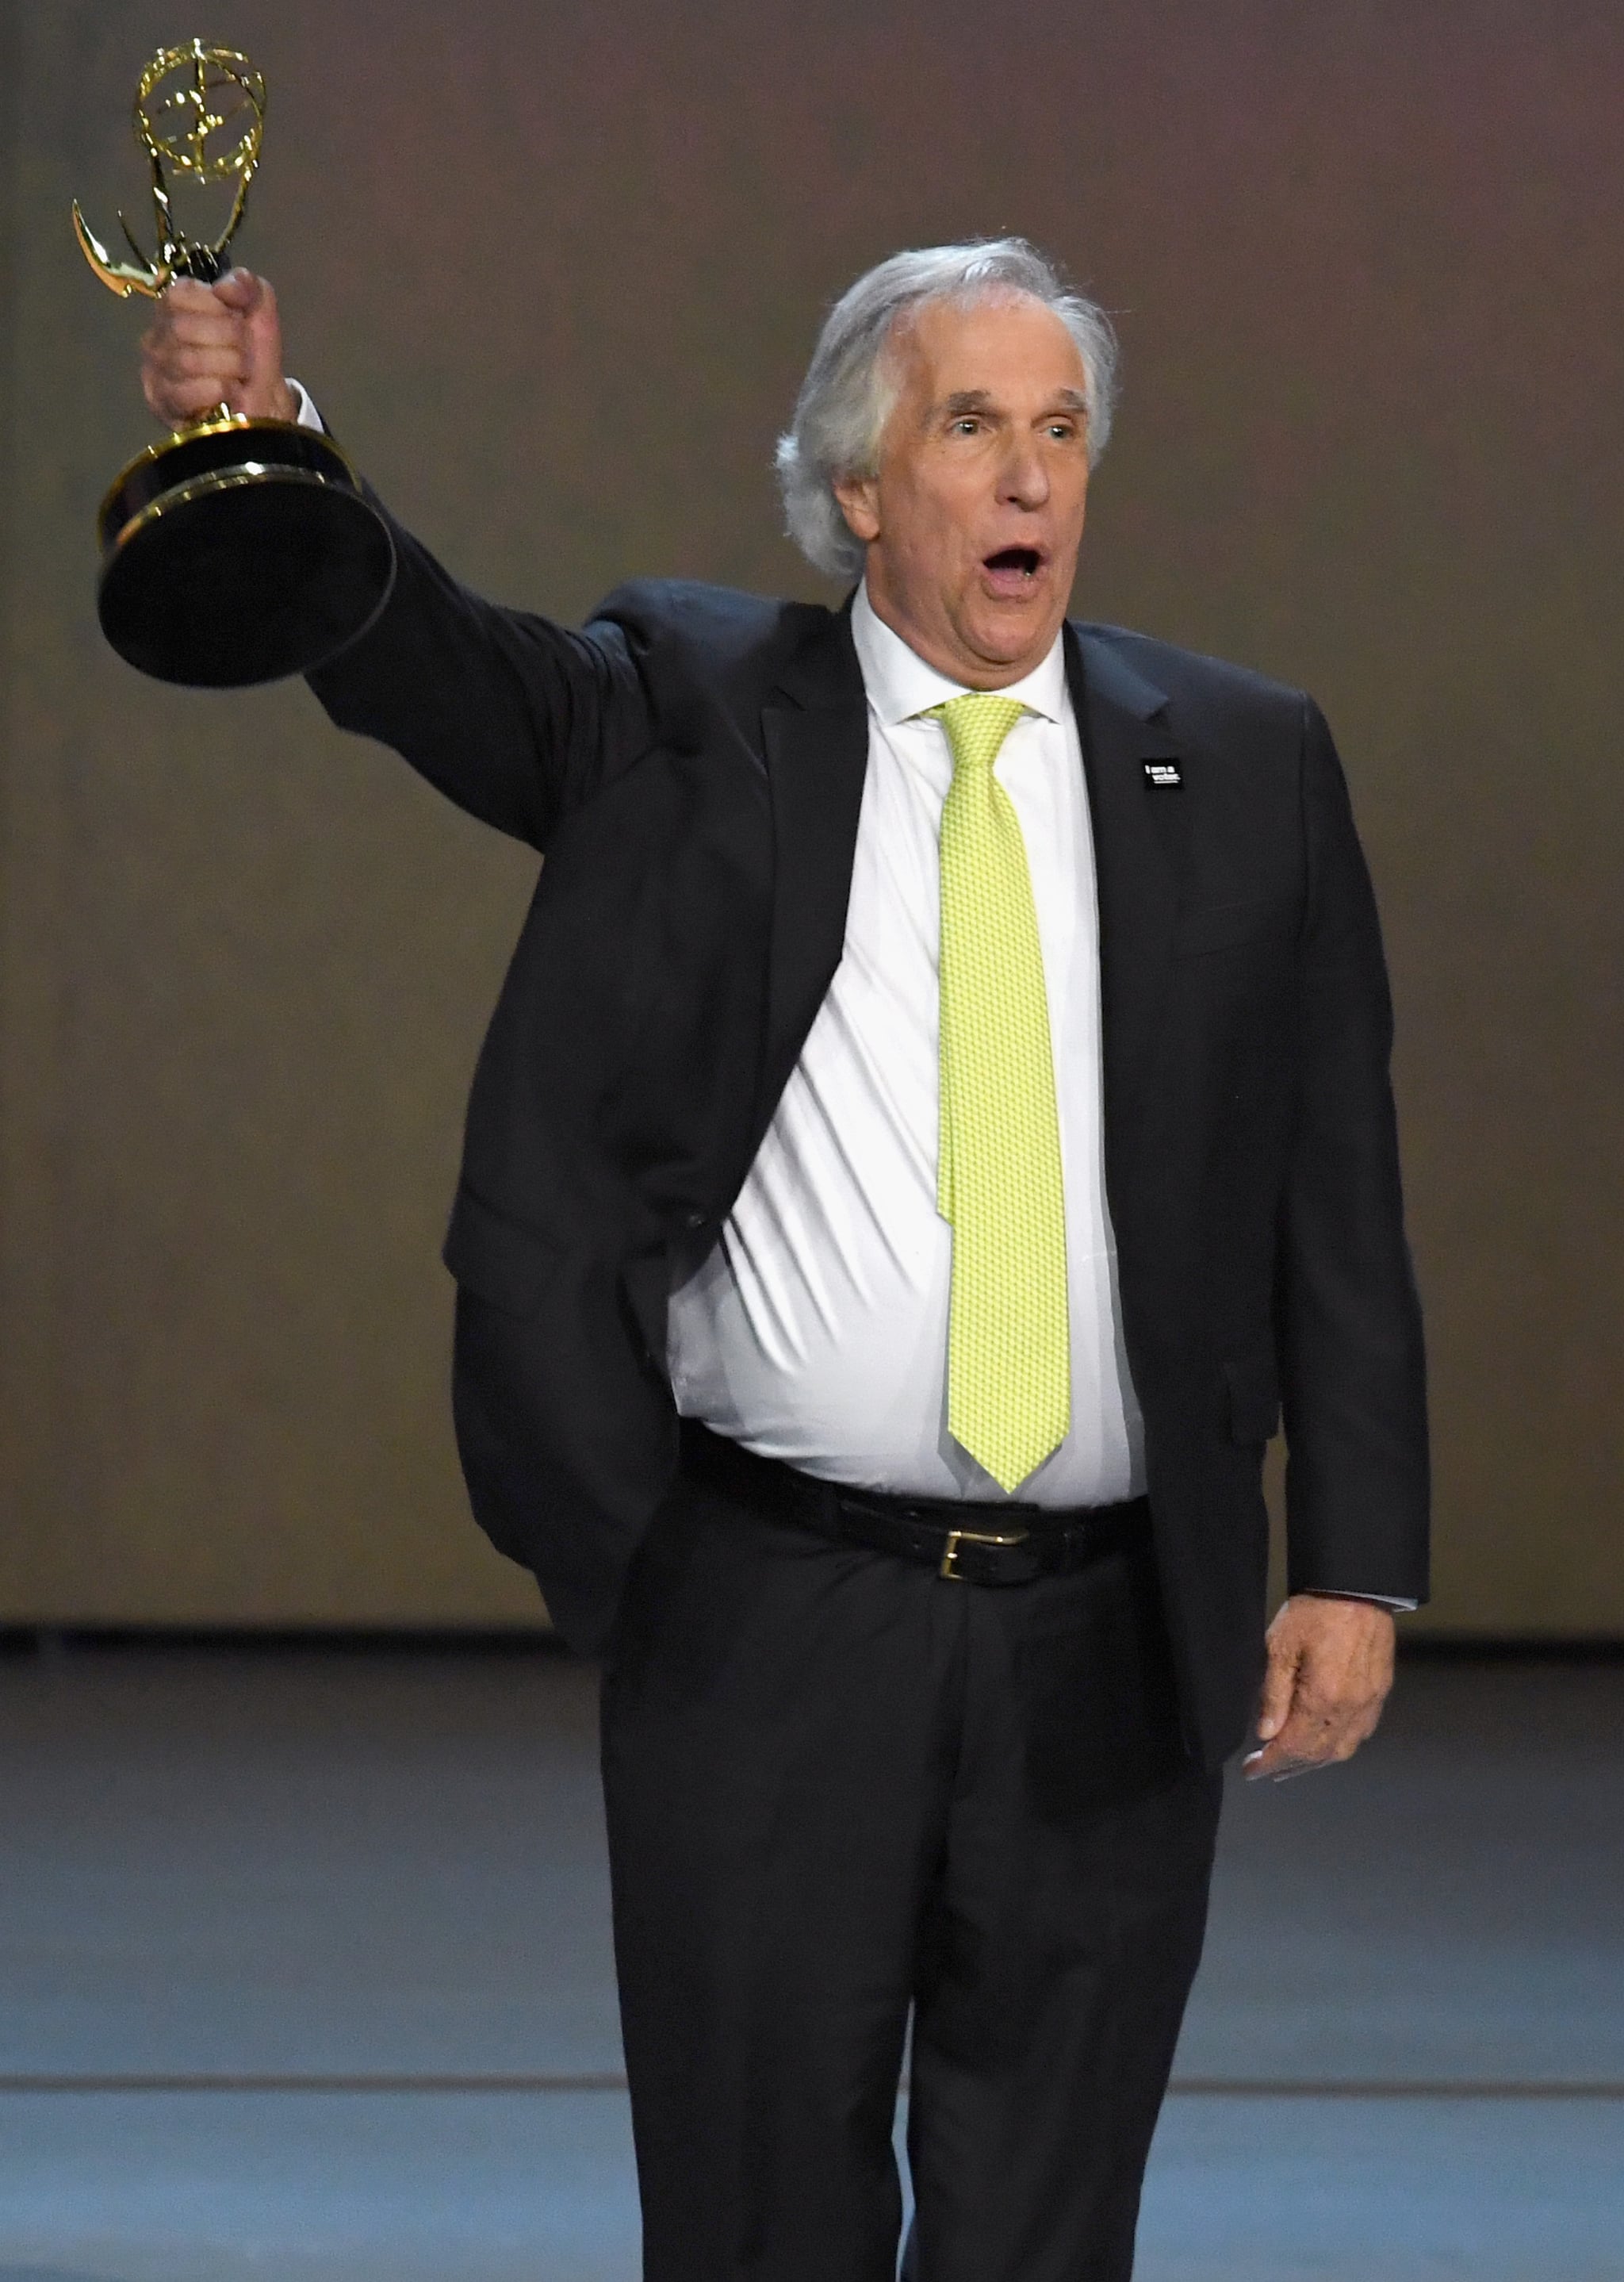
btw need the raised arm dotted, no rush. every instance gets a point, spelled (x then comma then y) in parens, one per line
(514, 718)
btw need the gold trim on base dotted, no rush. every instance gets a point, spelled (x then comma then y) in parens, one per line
(225, 480)
(238, 421)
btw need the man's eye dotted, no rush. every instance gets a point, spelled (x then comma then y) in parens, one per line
(1062, 428)
(968, 426)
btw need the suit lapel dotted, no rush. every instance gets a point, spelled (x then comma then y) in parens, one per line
(816, 735)
(1136, 828)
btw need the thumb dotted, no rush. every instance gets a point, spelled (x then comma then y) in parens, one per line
(239, 290)
(264, 324)
(265, 393)
(1279, 1681)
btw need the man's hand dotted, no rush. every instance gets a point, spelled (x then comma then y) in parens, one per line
(1330, 1668)
(212, 344)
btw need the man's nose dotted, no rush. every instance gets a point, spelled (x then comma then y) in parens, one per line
(1023, 479)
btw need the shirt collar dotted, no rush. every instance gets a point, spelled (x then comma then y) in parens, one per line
(900, 683)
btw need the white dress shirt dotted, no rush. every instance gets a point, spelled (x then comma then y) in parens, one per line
(815, 1330)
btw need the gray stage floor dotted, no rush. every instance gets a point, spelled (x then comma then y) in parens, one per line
(305, 1973)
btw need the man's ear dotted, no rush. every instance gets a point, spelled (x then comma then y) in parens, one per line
(859, 499)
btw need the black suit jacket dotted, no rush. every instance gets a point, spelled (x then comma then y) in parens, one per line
(691, 764)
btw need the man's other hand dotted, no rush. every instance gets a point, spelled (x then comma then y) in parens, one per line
(1330, 1668)
(213, 345)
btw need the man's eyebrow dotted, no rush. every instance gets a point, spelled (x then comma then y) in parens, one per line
(963, 400)
(980, 400)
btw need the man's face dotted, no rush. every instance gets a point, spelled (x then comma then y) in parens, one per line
(973, 521)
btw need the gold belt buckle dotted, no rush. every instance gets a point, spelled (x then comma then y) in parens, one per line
(957, 1537)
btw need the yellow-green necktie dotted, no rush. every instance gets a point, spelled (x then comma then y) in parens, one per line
(998, 1177)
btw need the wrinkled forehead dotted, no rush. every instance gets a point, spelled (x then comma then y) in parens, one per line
(998, 342)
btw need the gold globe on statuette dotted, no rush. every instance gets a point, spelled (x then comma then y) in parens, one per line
(240, 549)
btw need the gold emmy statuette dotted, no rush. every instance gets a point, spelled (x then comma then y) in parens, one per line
(239, 550)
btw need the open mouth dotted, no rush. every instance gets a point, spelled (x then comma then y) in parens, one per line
(1012, 569)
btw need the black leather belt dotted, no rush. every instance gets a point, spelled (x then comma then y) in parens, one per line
(974, 1544)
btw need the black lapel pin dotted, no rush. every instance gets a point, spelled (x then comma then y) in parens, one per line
(1166, 776)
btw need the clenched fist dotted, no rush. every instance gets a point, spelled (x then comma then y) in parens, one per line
(212, 344)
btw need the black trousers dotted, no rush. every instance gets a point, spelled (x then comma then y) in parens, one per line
(838, 1787)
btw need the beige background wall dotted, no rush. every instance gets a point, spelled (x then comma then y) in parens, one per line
(553, 274)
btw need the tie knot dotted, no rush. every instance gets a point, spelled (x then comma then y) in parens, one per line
(977, 726)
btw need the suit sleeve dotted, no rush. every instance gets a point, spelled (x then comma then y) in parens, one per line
(514, 718)
(1350, 1324)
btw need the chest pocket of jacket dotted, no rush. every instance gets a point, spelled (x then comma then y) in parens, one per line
(1220, 927)
(498, 1258)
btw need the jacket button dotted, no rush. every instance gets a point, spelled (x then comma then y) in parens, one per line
(693, 1220)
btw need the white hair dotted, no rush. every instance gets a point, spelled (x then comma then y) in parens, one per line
(851, 384)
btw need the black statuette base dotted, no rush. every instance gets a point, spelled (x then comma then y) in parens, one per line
(240, 552)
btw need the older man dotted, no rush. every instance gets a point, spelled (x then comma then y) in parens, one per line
(937, 1106)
